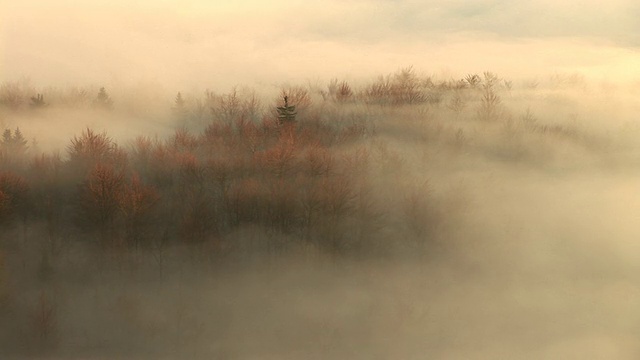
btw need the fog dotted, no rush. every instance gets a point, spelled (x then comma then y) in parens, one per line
(459, 181)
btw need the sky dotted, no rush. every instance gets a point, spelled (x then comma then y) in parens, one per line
(219, 44)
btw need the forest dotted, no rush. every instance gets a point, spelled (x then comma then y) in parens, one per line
(137, 223)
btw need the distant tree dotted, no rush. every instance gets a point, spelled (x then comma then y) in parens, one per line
(490, 101)
(457, 103)
(180, 107)
(406, 87)
(103, 100)
(179, 103)
(90, 148)
(99, 201)
(13, 147)
(19, 140)
(6, 137)
(340, 92)
(38, 101)
(13, 95)
(401, 88)
(286, 113)
(473, 80)
(137, 202)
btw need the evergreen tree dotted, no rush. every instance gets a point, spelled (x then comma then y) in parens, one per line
(13, 147)
(6, 137)
(180, 108)
(14, 143)
(179, 104)
(19, 142)
(286, 113)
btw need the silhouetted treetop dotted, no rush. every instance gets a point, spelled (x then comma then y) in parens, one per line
(103, 100)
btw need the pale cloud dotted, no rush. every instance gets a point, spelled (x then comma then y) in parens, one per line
(615, 21)
(222, 43)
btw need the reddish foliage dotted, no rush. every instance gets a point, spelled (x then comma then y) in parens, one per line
(137, 198)
(279, 159)
(100, 197)
(91, 148)
(183, 141)
(252, 137)
(190, 169)
(137, 204)
(217, 134)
